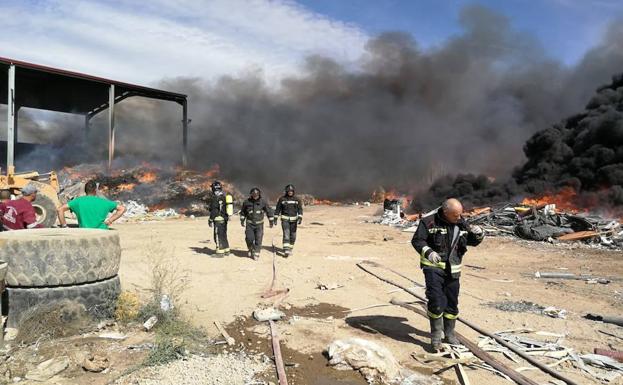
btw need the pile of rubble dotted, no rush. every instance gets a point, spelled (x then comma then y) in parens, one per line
(546, 223)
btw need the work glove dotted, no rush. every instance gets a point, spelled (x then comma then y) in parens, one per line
(210, 223)
(477, 231)
(270, 223)
(434, 257)
(242, 222)
(300, 220)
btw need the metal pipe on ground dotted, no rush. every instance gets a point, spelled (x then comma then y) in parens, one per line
(478, 352)
(478, 329)
(610, 353)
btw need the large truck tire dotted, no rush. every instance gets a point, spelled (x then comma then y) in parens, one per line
(58, 257)
(99, 298)
(45, 211)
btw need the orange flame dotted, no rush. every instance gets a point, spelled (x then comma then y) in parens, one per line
(126, 187)
(148, 177)
(325, 202)
(564, 199)
(214, 171)
(394, 195)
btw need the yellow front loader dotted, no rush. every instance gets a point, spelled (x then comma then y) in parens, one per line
(47, 198)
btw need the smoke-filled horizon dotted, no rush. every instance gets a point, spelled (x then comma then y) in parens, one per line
(398, 119)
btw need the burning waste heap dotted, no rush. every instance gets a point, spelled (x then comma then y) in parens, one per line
(146, 189)
(570, 187)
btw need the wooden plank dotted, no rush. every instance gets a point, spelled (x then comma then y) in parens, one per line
(578, 235)
(281, 371)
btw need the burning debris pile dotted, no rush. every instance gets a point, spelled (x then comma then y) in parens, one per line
(547, 223)
(576, 164)
(147, 189)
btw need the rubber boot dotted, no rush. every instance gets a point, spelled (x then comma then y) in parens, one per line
(256, 255)
(448, 331)
(436, 332)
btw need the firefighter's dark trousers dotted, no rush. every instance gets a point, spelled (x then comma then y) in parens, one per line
(289, 233)
(442, 292)
(253, 235)
(220, 237)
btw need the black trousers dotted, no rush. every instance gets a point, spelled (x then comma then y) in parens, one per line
(289, 233)
(220, 237)
(442, 292)
(253, 235)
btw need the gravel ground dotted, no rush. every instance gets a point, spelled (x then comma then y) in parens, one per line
(222, 369)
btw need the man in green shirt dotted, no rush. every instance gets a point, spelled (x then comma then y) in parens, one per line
(91, 210)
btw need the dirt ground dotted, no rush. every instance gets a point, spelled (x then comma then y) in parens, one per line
(330, 242)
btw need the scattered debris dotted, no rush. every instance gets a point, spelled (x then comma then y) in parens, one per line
(268, 314)
(112, 335)
(518, 306)
(554, 312)
(165, 303)
(95, 363)
(10, 334)
(48, 369)
(150, 323)
(374, 362)
(228, 339)
(329, 286)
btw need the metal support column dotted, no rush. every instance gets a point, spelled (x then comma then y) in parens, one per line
(185, 133)
(87, 127)
(10, 123)
(111, 125)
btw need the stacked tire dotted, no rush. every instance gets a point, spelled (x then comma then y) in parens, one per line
(50, 265)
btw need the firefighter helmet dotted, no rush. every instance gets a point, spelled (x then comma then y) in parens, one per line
(289, 188)
(255, 190)
(216, 186)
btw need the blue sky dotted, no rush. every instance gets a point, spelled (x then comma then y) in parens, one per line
(566, 28)
(143, 42)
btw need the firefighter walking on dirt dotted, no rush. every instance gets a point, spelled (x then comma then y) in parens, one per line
(441, 240)
(252, 212)
(221, 208)
(290, 210)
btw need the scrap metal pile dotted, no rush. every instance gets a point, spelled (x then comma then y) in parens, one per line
(546, 223)
(536, 223)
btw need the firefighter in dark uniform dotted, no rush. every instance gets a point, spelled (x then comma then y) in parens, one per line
(221, 207)
(252, 212)
(290, 210)
(441, 240)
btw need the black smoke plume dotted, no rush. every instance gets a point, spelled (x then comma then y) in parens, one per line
(583, 153)
(400, 118)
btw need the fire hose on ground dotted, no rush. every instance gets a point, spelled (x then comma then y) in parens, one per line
(515, 376)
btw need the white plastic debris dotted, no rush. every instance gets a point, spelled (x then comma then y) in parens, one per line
(134, 209)
(374, 362)
(268, 314)
(150, 323)
(554, 312)
(165, 303)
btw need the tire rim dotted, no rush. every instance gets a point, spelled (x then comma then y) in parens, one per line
(40, 213)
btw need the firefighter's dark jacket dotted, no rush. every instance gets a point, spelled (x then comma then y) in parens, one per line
(218, 208)
(289, 208)
(253, 211)
(434, 233)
